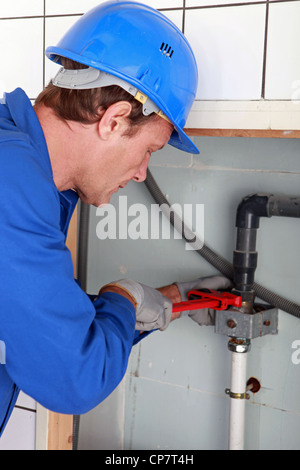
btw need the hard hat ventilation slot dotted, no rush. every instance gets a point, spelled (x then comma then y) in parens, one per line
(166, 50)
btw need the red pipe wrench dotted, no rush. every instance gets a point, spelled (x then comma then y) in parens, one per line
(208, 299)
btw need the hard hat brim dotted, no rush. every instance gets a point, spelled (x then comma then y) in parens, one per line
(181, 141)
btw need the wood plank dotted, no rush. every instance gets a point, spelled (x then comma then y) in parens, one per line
(60, 431)
(72, 239)
(257, 133)
(60, 426)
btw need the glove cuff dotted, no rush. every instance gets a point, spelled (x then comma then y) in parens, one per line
(132, 288)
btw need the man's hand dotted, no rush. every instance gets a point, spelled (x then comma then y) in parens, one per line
(178, 292)
(204, 316)
(154, 306)
(172, 293)
(153, 309)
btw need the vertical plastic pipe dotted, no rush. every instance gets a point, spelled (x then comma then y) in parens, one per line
(237, 404)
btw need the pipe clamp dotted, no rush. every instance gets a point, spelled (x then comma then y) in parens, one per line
(237, 396)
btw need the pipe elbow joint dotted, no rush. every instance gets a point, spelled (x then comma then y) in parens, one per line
(250, 209)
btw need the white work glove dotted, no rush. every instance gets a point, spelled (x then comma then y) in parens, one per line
(153, 310)
(205, 316)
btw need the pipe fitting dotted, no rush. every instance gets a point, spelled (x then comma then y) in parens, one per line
(248, 297)
(239, 345)
(250, 209)
(237, 396)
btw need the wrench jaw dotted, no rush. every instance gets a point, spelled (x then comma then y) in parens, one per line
(208, 299)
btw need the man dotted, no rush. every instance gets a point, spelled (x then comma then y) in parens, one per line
(128, 81)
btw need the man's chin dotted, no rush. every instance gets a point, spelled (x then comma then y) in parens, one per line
(103, 202)
(100, 201)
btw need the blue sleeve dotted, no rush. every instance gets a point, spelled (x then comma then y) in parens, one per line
(139, 336)
(62, 349)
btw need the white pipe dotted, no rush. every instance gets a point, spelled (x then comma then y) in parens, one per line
(237, 405)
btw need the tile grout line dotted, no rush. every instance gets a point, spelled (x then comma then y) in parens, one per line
(44, 45)
(206, 392)
(264, 70)
(184, 8)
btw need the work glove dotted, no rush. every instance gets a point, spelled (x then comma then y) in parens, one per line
(153, 310)
(204, 316)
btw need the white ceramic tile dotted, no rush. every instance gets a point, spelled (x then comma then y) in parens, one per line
(55, 28)
(175, 16)
(228, 44)
(57, 7)
(19, 433)
(200, 3)
(159, 4)
(26, 401)
(18, 8)
(22, 57)
(283, 64)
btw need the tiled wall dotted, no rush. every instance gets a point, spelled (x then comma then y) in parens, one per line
(245, 50)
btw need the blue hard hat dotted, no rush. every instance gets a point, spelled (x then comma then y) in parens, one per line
(142, 47)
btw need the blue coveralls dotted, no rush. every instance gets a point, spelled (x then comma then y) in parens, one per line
(63, 349)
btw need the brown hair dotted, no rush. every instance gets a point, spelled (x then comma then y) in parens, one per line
(88, 106)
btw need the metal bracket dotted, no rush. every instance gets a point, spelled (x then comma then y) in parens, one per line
(237, 324)
(238, 396)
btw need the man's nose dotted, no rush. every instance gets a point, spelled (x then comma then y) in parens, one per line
(141, 174)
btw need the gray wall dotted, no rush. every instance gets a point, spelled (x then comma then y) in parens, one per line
(173, 394)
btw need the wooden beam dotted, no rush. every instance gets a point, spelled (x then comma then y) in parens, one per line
(60, 431)
(257, 133)
(72, 239)
(60, 426)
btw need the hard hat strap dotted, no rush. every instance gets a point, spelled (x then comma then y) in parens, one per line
(84, 79)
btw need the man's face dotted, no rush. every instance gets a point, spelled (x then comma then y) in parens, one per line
(123, 161)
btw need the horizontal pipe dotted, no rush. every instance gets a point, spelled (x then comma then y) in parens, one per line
(254, 206)
(284, 206)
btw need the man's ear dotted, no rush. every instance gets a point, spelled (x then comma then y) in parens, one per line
(114, 120)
